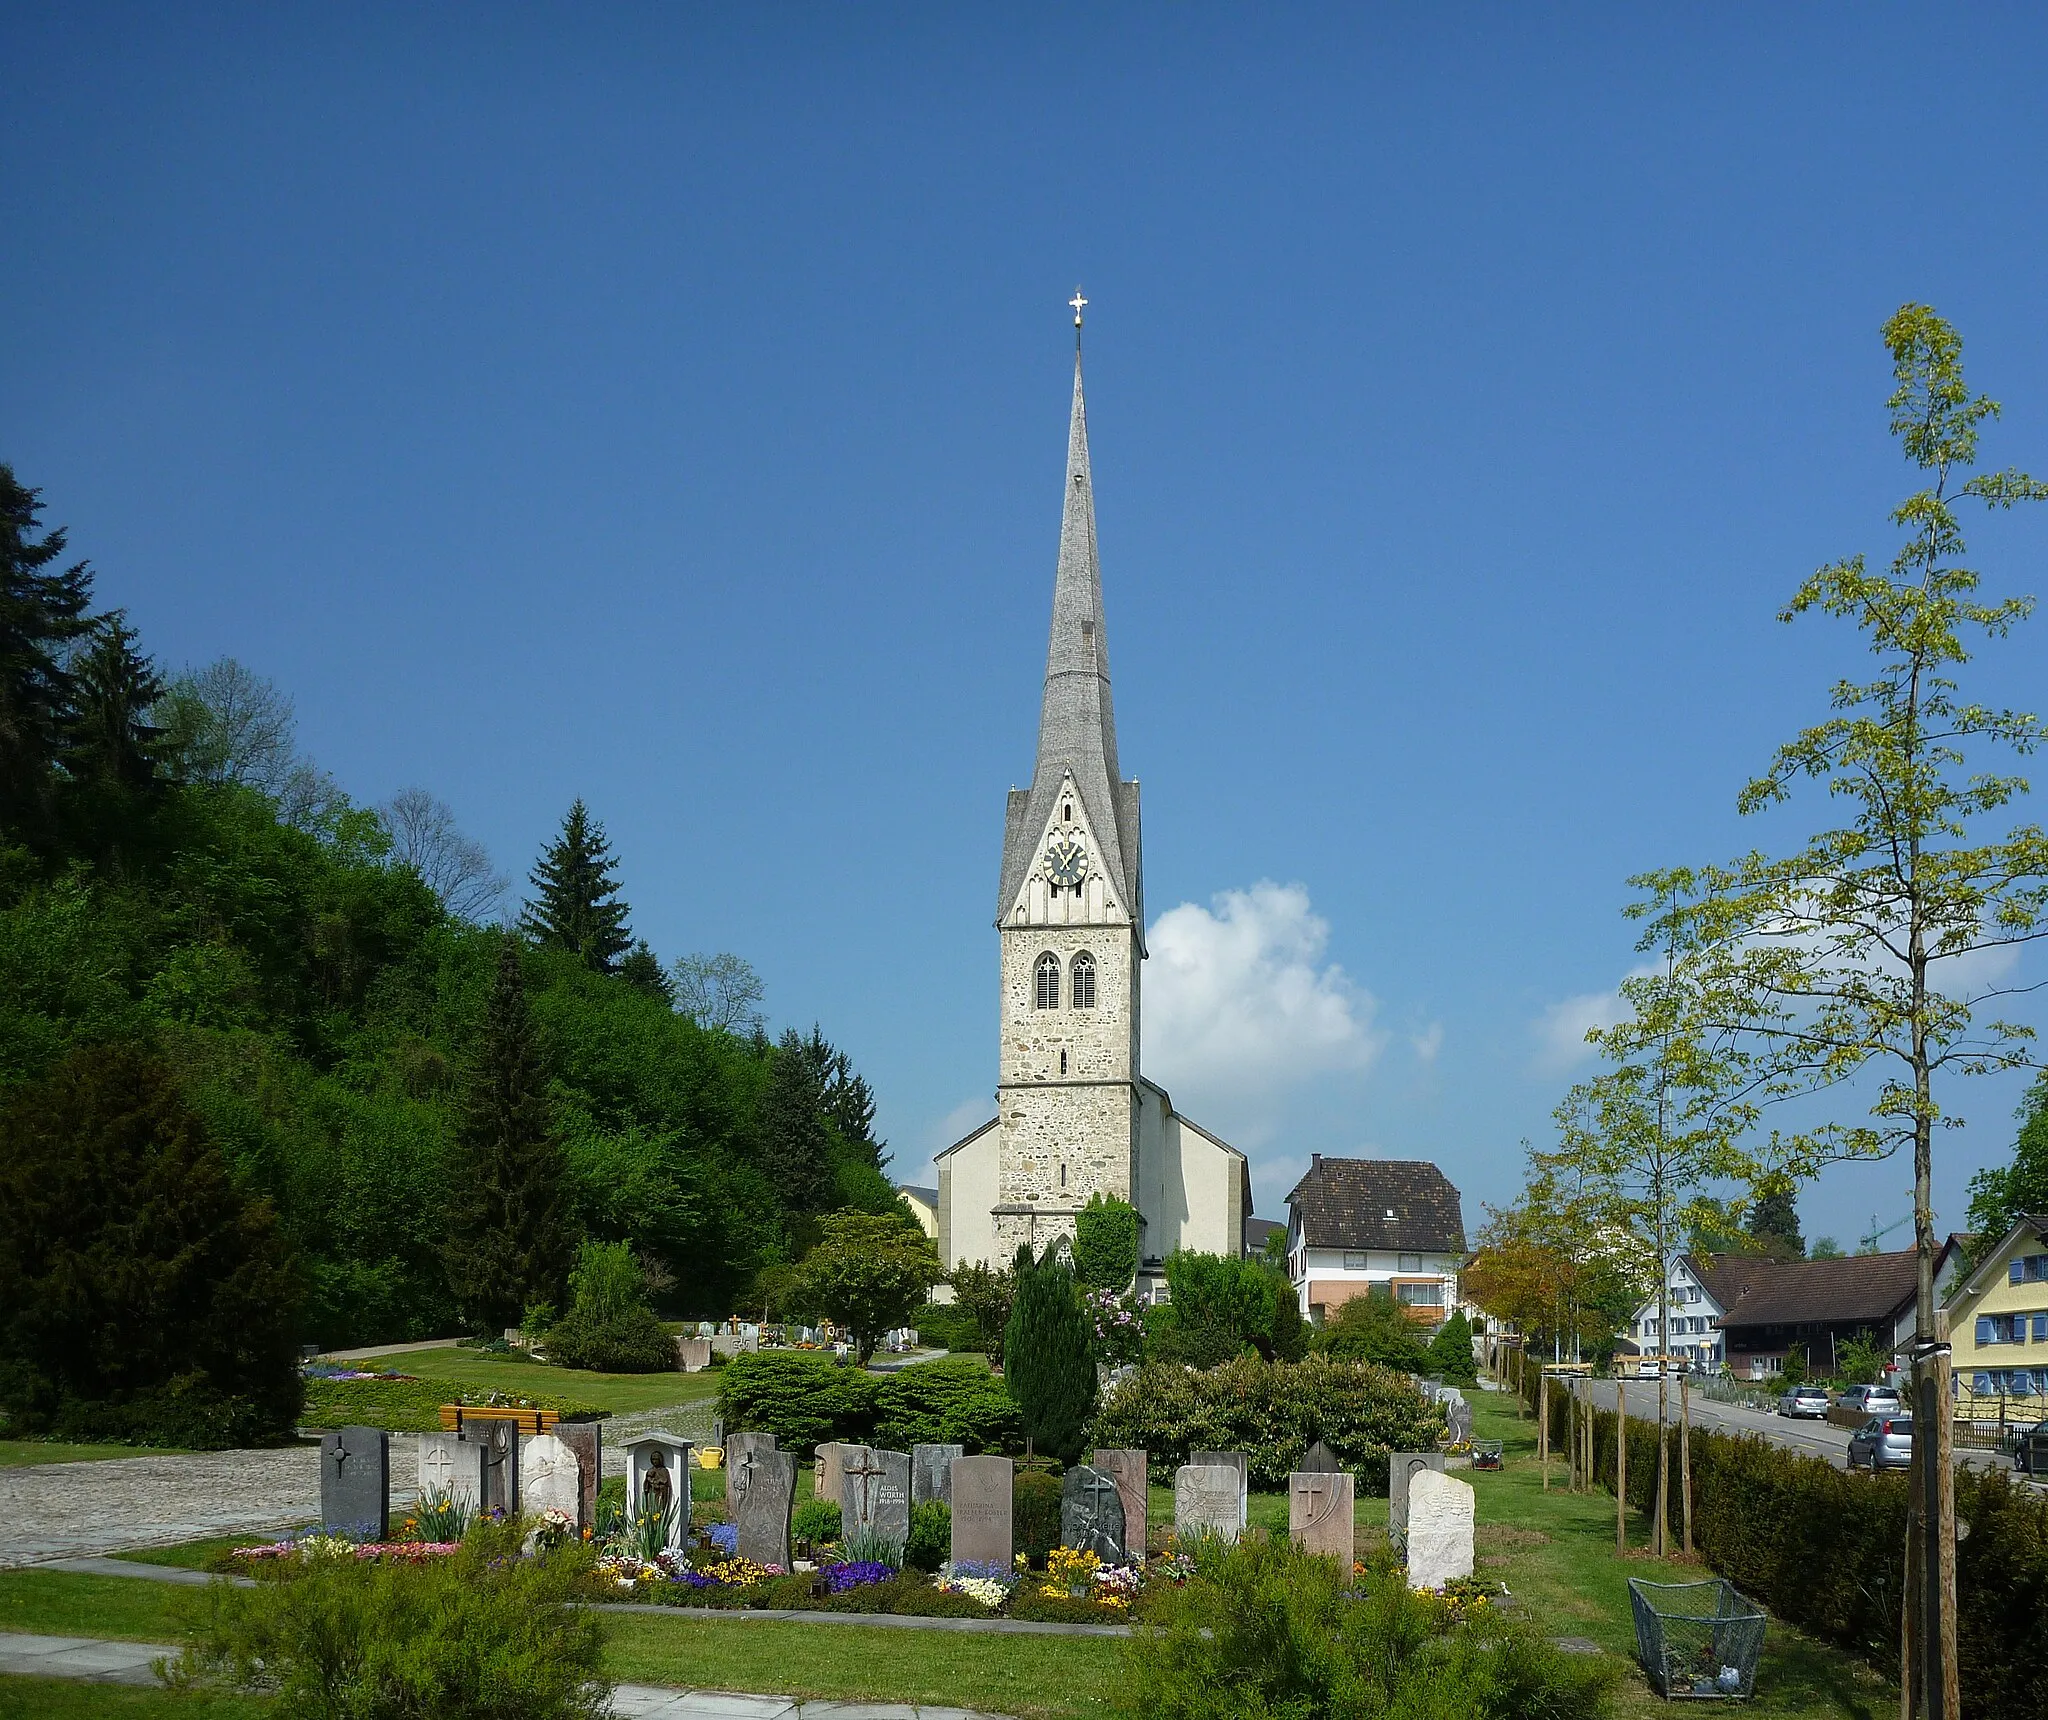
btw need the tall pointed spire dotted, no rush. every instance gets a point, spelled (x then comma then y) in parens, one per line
(1077, 720)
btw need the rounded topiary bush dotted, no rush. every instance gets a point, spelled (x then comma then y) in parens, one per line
(1035, 1514)
(631, 1341)
(931, 1536)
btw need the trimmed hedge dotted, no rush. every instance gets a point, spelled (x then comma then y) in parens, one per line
(805, 1398)
(1824, 1549)
(1273, 1412)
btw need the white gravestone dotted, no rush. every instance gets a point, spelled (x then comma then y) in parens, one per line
(1402, 1468)
(550, 1479)
(452, 1468)
(1205, 1500)
(1441, 1515)
(658, 1478)
(1238, 1461)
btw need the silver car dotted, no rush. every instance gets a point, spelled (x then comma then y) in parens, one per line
(1871, 1400)
(1882, 1442)
(1810, 1401)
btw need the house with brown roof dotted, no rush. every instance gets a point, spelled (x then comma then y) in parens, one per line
(1770, 1305)
(1355, 1224)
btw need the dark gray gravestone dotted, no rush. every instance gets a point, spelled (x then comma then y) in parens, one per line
(1320, 1460)
(586, 1439)
(1459, 1417)
(764, 1496)
(737, 1445)
(1402, 1467)
(982, 1503)
(875, 1494)
(931, 1472)
(1092, 1513)
(1237, 1461)
(501, 1464)
(1128, 1466)
(355, 1483)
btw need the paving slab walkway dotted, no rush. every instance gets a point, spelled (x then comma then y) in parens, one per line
(101, 1662)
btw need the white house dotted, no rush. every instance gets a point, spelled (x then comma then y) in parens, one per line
(1354, 1224)
(1695, 1333)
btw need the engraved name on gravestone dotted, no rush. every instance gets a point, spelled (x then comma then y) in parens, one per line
(1205, 1459)
(548, 1478)
(451, 1467)
(875, 1495)
(355, 1482)
(658, 1481)
(1321, 1509)
(764, 1496)
(1319, 1459)
(586, 1440)
(1402, 1466)
(1441, 1517)
(1205, 1500)
(1092, 1513)
(931, 1472)
(737, 1445)
(981, 1511)
(1128, 1468)
(829, 1466)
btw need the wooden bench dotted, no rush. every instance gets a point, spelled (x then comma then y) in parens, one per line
(528, 1421)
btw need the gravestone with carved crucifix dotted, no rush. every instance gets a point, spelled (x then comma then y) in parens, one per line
(451, 1470)
(1092, 1513)
(737, 1445)
(874, 1494)
(1321, 1513)
(355, 1483)
(931, 1472)
(586, 1440)
(763, 1486)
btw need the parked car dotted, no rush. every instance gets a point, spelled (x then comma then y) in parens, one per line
(1871, 1400)
(1882, 1442)
(2030, 1456)
(1810, 1401)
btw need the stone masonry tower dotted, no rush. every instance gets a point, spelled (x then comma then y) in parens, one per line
(1071, 917)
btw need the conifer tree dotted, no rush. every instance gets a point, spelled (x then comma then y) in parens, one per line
(42, 610)
(793, 1140)
(111, 741)
(1773, 1223)
(576, 905)
(641, 968)
(1048, 1364)
(509, 1241)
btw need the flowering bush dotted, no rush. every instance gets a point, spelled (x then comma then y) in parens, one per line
(725, 1537)
(990, 1592)
(1069, 1571)
(857, 1574)
(1117, 1327)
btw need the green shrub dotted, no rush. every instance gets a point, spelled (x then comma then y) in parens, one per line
(949, 1326)
(1048, 1356)
(931, 1536)
(946, 1402)
(815, 1522)
(1222, 1305)
(483, 1634)
(1273, 1412)
(1035, 1514)
(1266, 1629)
(802, 1397)
(1372, 1328)
(1106, 1243)
(631, 1342)
(1450, 1353)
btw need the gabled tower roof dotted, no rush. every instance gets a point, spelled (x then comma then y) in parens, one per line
(1076, 722)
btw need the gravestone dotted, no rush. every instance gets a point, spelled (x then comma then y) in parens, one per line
(501, 1464)
(1459, 1419)
(586, 1440)
(1207, 1500)
(829, 1466)
(874, 1494)
(693, 1355)
(451, 1465)
(658, 1479)
(981, 1511)
(931, 1472)
(737, 1445)
(1319, 1459)
(764, 1496)
(1402, 1466)
(1128, 1467)
(355, 1483)
(549, 1479)
(1441, 1515)
(1092, 1513)
(1236, 1459)
(1321, 1509)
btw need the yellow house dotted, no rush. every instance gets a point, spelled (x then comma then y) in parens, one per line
(1998, 1317)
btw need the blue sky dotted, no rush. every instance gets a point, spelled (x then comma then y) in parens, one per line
(667, 406)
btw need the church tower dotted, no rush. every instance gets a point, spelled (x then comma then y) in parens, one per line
(1070, 914)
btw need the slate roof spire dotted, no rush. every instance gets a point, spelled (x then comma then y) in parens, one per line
(1076, 719)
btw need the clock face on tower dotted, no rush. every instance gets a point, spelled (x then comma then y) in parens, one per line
(1066, 862)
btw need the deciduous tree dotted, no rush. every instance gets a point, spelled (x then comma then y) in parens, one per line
(868, 1274)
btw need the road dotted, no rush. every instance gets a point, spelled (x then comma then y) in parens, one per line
(1816, 1438)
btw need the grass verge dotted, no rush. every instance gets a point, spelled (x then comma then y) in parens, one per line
(413, 1406)
(26, 1453)
(68, 1603)
(69, 1699)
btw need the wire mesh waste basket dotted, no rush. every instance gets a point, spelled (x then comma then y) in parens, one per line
(1486, 1453)
(1697, 1639)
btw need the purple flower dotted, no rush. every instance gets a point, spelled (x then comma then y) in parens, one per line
(725, 1537)
(857, 1574)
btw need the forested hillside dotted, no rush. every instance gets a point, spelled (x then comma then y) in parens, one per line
(177, 882)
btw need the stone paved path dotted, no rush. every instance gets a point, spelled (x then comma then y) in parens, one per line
(69, 1510)
(131, 1663)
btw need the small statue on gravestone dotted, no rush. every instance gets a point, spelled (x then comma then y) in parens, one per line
(657, 1491)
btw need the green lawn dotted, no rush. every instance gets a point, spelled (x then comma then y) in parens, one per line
(68, 1603)
(443, 1373)
(21, 1453)
(194, 1555)
(68, 1699)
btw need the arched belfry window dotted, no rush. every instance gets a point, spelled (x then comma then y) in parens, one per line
(1084, 981)
(1048, 981)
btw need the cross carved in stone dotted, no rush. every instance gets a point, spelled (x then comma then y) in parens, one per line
(1312, 1486)
(866, 1475)
(437, 1467)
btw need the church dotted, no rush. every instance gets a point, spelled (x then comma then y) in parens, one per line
(1075, 1116)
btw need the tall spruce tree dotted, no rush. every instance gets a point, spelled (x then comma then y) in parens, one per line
(576, 904)
(42, 610)
(794, 1144)
(510, 1238)
(1773, 1224)
(111, 742)
(1048, 1364)
(641, 968)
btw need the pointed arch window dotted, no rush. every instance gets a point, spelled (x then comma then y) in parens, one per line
(1048, 981)
(1083, 992)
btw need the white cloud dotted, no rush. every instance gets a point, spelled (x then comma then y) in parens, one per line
(1239, 1001)
(938, 1135)
(1427, 1043)
(1561, 1029)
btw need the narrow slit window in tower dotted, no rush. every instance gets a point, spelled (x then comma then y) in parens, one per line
(1063, 1062)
